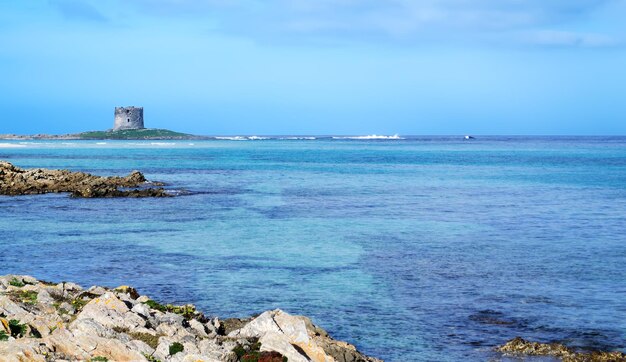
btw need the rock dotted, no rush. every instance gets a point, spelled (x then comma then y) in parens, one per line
(170, 318)
(276, 341)
(198, 328)
(521, 347)
(95, 290)
(22, 350)
(132, 292)
(257, 327)
(17, 181)
(71, 287)
(143, 299)
(197, 357)
(110, 311)
(141, 309)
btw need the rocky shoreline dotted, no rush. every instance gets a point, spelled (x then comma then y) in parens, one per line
(17, 181)
(42, 321)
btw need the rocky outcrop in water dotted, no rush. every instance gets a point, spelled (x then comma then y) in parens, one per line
(41, 321)
(18, 181)
(521, 347)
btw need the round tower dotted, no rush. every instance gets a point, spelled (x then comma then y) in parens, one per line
(128, 118)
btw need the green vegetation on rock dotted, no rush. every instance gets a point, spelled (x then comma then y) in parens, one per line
(151, 358)
(147, 338)
(99, 359)
(131, 134)
(24, 296)
(175, 348)
(16, 283)
(3, 336)
(187, 311)
(17, 329)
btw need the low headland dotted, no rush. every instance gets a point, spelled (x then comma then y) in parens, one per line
(42, 321)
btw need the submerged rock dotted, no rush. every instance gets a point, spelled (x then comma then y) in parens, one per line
(42, 321)
(17, 181)
(521, 347)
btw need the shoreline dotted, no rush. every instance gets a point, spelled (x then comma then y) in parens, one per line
(42, 321)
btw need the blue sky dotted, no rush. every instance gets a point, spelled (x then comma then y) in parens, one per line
(316, 67)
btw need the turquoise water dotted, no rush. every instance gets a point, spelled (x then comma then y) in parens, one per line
(413, 249)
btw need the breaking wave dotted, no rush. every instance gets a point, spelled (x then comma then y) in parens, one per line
(241, 138)
(369, 137)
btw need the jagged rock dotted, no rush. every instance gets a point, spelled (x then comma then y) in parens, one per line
(22, 350)
(17, 181)
(284, 333)
(63, 322)
(520, 347)
(276, 341)
(141, 309)
(198, 328)
(110, 311)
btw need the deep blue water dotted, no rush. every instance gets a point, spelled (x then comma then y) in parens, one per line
(417, 249)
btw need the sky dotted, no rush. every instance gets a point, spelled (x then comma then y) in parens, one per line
(351, 67)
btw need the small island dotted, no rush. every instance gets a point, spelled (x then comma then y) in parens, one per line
(128, 125)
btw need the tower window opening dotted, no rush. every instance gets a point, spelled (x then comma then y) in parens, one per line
(128, 120)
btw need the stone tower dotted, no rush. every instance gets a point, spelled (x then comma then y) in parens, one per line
(128, 118)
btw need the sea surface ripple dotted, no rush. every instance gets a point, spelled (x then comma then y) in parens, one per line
(413, 248)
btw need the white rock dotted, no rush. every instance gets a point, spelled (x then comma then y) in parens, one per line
(293, 327)
(97, 290)
(110, 311)
(9, 308)
(257, 327)
(141, 309)
(276, 341)
(198, 328)
(89, 326)
(200, 358)
(143, 299)
(43, 297)
(22, 350)
(140, 346)
(163, 348)
(28, 279)
(170, 318)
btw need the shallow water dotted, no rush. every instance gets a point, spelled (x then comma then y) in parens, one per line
(413, 249)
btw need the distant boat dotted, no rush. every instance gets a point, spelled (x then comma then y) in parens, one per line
(469, 137)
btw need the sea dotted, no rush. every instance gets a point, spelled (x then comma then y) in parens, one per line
(411, 248)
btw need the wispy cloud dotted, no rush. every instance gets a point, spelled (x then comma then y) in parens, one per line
(78, 10)
(541, 22)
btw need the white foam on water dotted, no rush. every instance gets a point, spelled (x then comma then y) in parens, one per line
(297, 138)
(12, 145)
(235, 138)
(254, 138)
(370, 137)
(241, 138)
